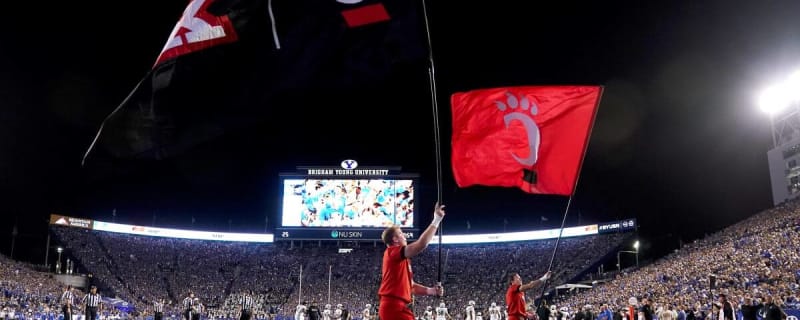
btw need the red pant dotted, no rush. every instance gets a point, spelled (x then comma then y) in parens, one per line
(394, 309)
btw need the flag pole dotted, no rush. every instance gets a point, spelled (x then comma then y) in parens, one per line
(569, 201)
(329, 283)
(436, 130)
(300, 291)
(553, 257)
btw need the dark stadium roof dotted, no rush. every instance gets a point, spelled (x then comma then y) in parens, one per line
(678, 142)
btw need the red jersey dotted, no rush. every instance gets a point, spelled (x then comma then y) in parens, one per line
(396, 274)
(515, 300)
(631, 313)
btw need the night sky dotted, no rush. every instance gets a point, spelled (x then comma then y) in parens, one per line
(678, 142)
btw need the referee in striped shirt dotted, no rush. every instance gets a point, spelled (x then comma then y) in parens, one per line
(67, 299)
(191, 307)
(92, 302)
(158, 309)
(247, 304)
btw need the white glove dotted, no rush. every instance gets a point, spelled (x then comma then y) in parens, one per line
(436, 220)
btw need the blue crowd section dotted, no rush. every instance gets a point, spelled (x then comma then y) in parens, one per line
(757, 258)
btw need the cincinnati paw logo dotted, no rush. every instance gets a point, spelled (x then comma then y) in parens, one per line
(522, 109)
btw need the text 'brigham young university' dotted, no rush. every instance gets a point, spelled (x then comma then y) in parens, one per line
(346, 172)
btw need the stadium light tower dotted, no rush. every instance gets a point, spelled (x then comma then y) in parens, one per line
(58, 265)
(636, 252)
(781, 101)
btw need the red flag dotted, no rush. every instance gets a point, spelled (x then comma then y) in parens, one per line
(529, 137)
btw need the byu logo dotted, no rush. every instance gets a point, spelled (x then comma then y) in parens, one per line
(517, 111)
(791, 318)
(349, 164)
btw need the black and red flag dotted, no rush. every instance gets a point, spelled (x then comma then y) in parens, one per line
(230, 63)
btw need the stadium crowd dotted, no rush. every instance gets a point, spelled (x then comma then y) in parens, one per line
(31, 294)
(143, 269)
(751, 262)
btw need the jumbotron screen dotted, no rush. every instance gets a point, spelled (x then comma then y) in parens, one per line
(357, 203)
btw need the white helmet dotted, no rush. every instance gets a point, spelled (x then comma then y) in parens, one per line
(479, 313)
(339, 306)
(441, 305)
(563, 309)
(328, 306)
(494, 304)
(369, 305)
(428, 308)
(472, 302)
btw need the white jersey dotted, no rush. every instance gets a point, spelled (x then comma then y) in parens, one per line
(469, 313)
(554, 314)
(300, 313)
(326, 314)
(366, 314)
(479, 317)
(494, 313)
(428, 315)
(441, 313)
